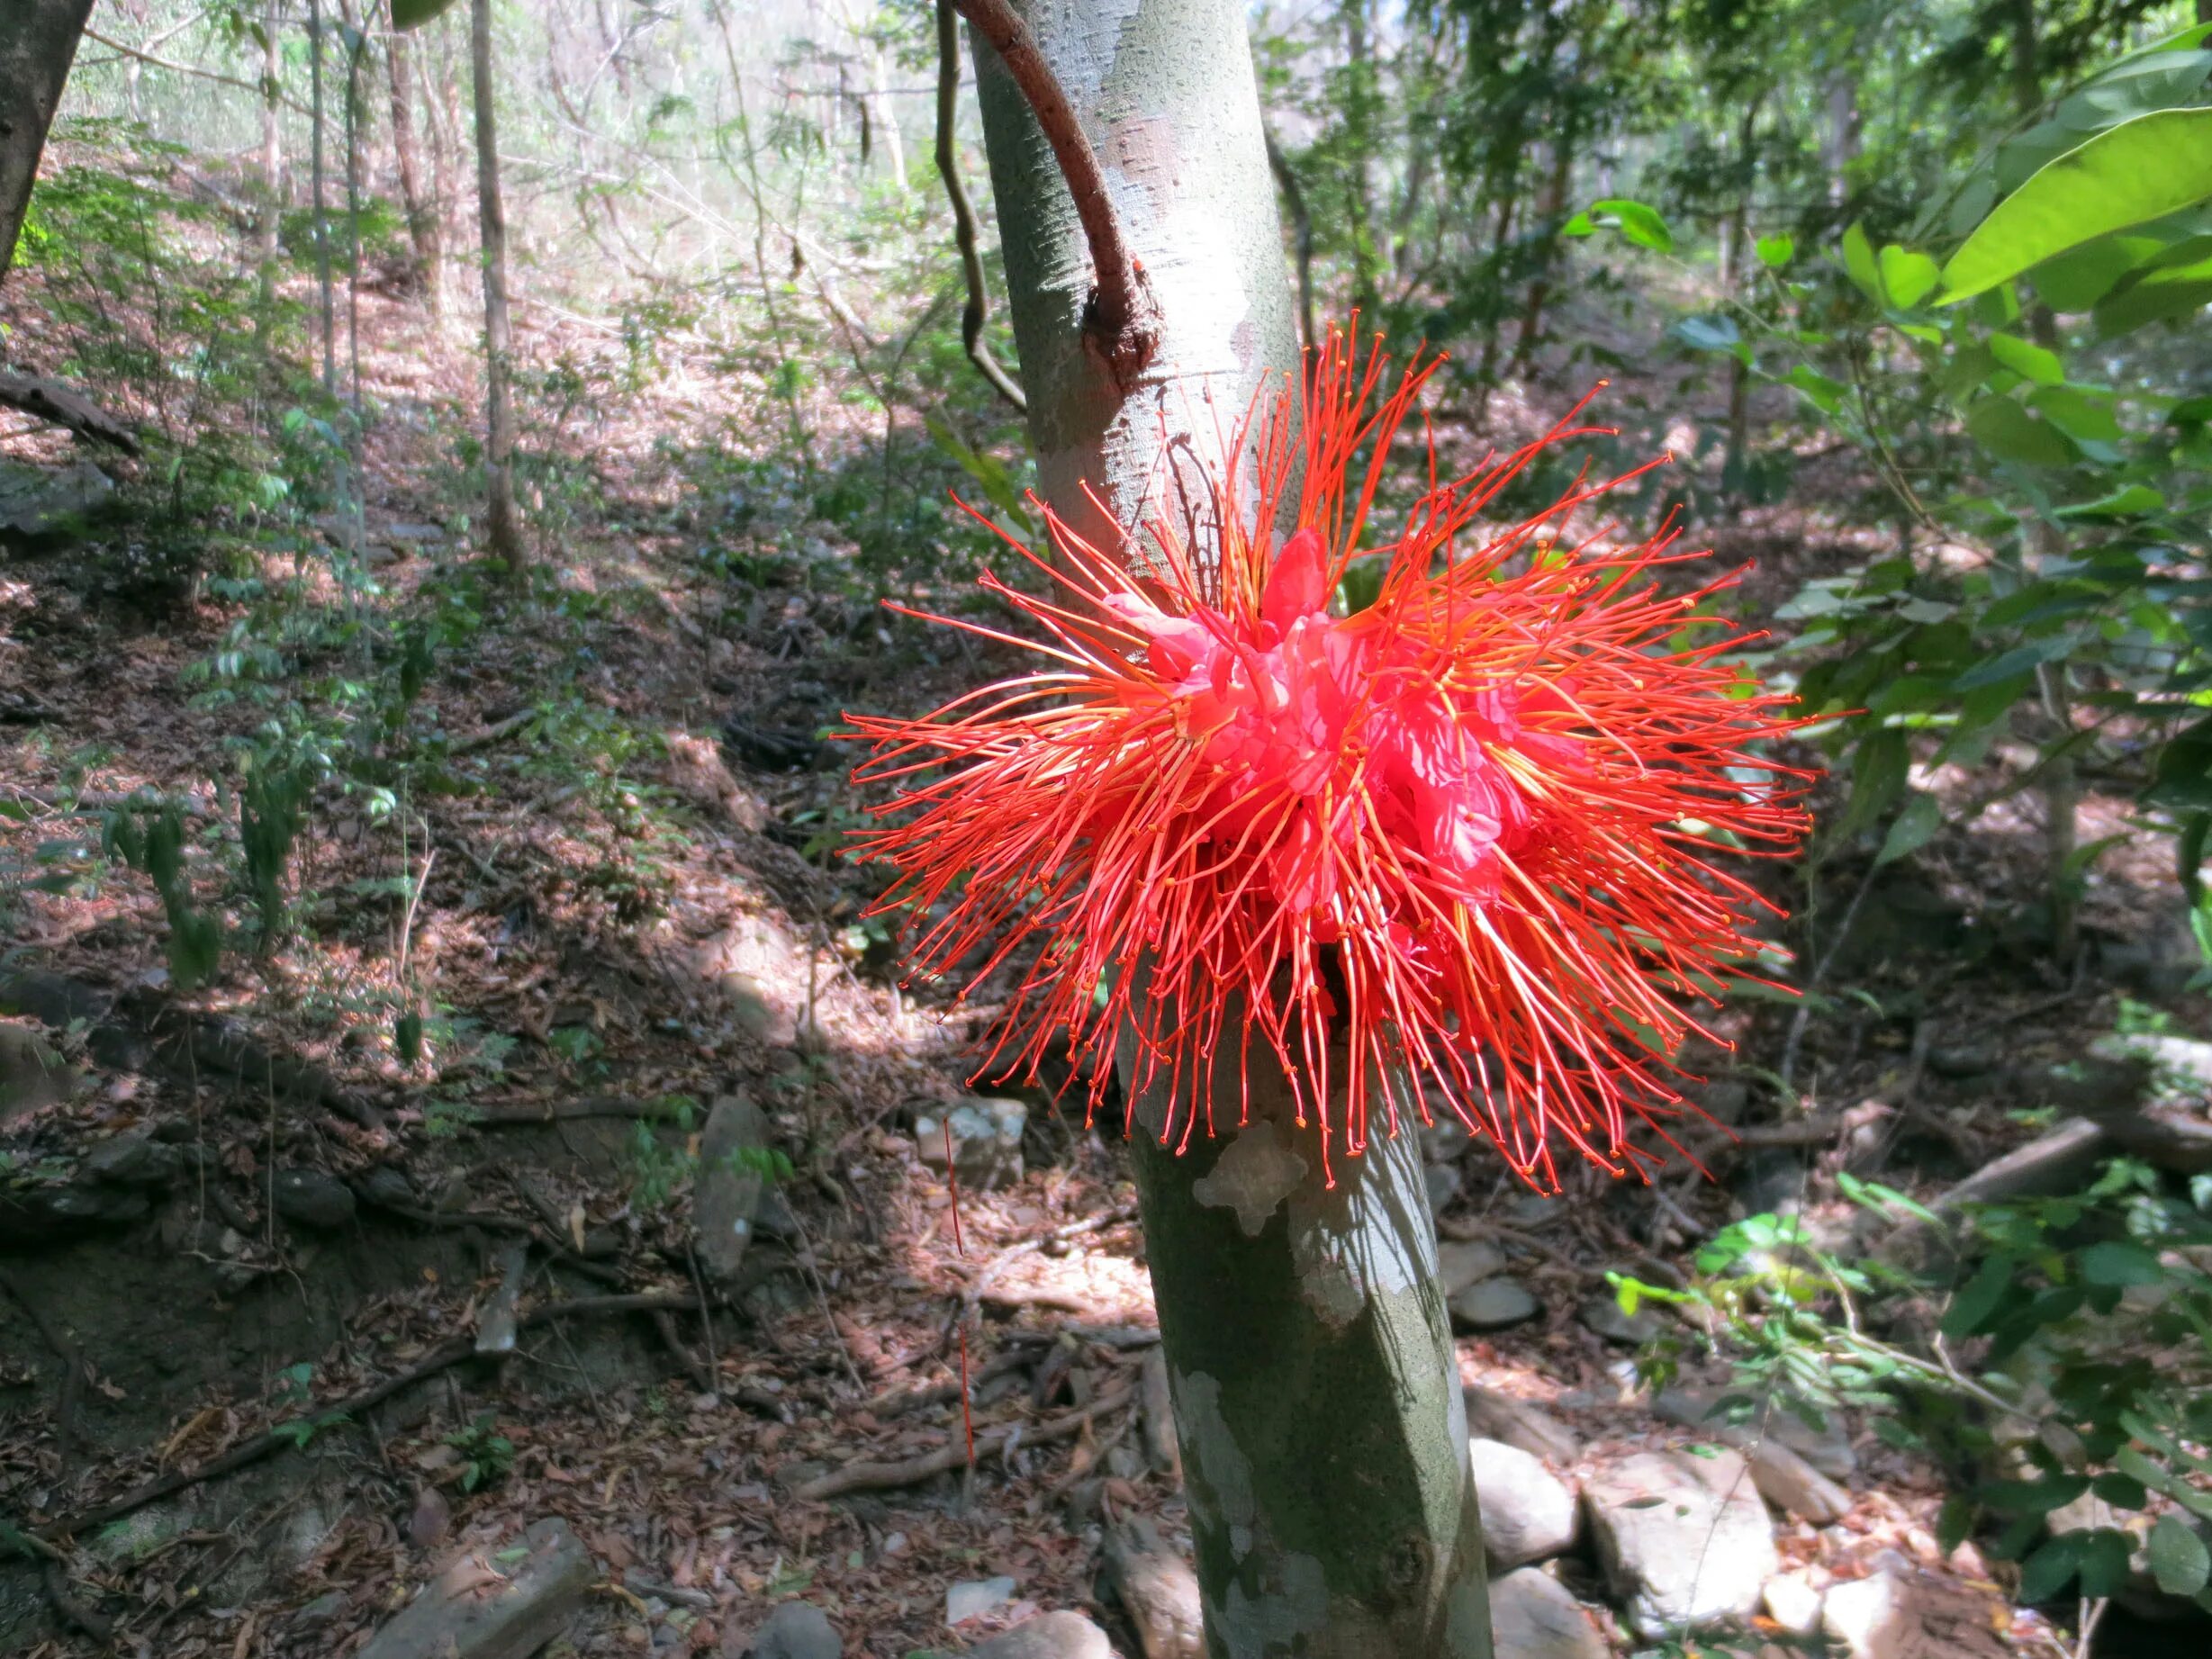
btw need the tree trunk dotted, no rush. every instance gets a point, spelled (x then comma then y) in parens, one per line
(422, 218)
(1359, 114)
(1843, 134)
(503, 533)
(1316, 1394)
(38, 42)
(1553, 210)
(271, 229)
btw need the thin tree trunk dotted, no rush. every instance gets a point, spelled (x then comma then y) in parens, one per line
(975, 313)
(1360, 130)
(272, 173)
(887, 117)
(1300, 234)
(1554, 209)
(1316, 1395)
(1843, 133)
(37, 46)
(504, 532)
(422, 217)
(322, 229)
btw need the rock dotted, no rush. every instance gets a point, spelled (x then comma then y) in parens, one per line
(309, 1198)
(732, 1171)
(320, 1612)
(1162, 1450)
(431, 1520)
(1712, 1410)
(1157, 1588)
(1684, 1541)
(1049, 1636)
(39, 1212)
(1529, 1513)
(1602, 1315)
(135, 1159)
(387, 1187)
(2176, 1063)
(1443, 1182)
(1794, 1486)
(1533, 1617)
(987, 1141)
(973, 1598)
(1909, 1616)
(1793, 1603)
(32, 1074)
(1500, 1417)
(41, 505)
(1459, 1266)
(1493, 1304)
(481, 1607)
(795, 1630)
(747, 960)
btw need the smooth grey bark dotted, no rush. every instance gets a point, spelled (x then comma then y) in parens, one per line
(1316, 1393)
(503, 529)
(38, 42)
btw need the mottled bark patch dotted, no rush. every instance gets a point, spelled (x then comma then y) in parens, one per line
(1253, 1175)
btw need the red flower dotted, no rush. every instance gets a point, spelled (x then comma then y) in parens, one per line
(1466, 836)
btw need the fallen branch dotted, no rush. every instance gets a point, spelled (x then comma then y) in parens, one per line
(64, 407)
(865, 1476)
(569, 1111)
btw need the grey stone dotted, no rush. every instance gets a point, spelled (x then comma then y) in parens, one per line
(1443, 1182)
(35, 1214)
(309, 1198)
(1901, 1614)
(2181, 1063)
(134, 1158)
(1793, 1603)
(1494, 1304)
(972, 1598)
(32, 1073)
(987, 1141)
(1533, 1617)
(726, 1199)
(1529, 1513)
(485, 1607)
(795, 1630)
(41, 504)
(1602, 1315)
(1501, 1417)
(1714, 1411)
(1049, 1636)
(1459, 1266)
(1794, 1486)
(1684, 1540)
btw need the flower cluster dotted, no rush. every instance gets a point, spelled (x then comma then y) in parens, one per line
(1465, 844)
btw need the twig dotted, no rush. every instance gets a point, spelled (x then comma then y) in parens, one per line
(866, 1476)
(977, 311)
(174, 68)
(1787, 1071)
(1120, 319)
(569, 1111)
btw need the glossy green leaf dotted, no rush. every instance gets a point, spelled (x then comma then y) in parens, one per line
(2004, 427)
(2130, 503)
(2140, 170)
(1878, 772)
(2030, 362)
(2077, 279)
(1823, 393)
(1907, 277)
(1912, 828)
(1775, 251)
(1637, 222)
(1858, 256)
(2045, 1574)
(2012, 664)
(2180, 1561)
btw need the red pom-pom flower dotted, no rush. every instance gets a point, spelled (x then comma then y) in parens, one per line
(1466, 836)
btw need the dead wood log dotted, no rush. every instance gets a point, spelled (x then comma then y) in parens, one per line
(56, 403)
(870, 1476)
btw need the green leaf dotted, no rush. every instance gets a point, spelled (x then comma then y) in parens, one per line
(2155, 164)
(1714, 332)
(2104, 1562)
(1824, 394)
(2130, 503)
(2004, 427)
(1979, 1298)
(2029, 362)
(1775, 251)
(1877, 778)
(2033, 1497)
(1858, 256)
(1637, 223)
(1912, 828)
(1907, 277)
(2045, 1574)
(2077, 279)
(2116, 1263)
(414, 14)
(2157, 294)
(2180, 1561)
(2013, 663)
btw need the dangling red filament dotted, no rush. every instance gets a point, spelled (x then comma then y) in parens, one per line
(1467, 844)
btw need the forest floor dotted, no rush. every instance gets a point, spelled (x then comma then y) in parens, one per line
(597, 855)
